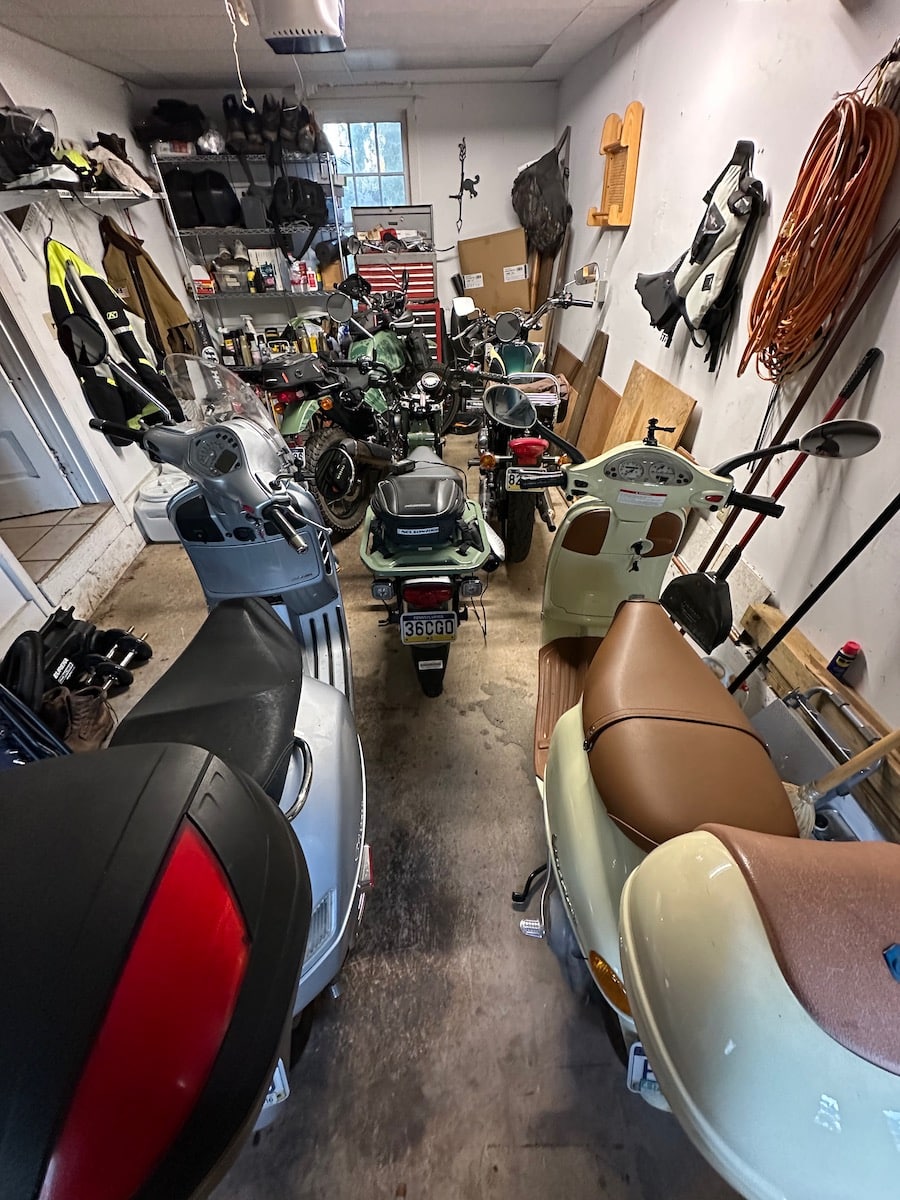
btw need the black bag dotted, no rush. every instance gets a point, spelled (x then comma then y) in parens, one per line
(24, 144)
(171, 121)
(539, 196)
(217, 202)
(179, 185)
(298, 201)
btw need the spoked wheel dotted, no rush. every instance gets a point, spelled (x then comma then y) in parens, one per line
(343, 507)
(518, 527)
(450, 412)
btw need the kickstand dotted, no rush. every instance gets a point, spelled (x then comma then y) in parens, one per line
(522, 898)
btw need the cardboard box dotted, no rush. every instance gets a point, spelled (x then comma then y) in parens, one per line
(495, 271)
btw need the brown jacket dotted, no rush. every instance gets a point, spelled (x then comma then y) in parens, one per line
(134, 275)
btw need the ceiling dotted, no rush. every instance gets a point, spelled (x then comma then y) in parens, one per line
(167, 43)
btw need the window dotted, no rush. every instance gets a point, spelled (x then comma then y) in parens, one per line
(371, 155)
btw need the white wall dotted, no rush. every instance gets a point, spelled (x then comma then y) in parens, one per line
(85, 100)
(708, 75)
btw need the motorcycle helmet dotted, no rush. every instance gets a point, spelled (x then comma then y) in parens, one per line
(154, 910)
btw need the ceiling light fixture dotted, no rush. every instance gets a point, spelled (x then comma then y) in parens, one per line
(302, 26)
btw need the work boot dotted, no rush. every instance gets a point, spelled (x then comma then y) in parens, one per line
(92, 719)
(56, 712)
(235, 136)
(271, 117)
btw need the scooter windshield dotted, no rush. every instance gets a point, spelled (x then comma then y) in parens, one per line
(209, 393)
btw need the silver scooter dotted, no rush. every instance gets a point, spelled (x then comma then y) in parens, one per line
(261, 552)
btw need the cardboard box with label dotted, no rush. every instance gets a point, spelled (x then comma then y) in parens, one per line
(495, 271)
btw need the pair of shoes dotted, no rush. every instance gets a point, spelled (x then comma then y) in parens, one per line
(226, 257)
(243, 126)
(83, 719)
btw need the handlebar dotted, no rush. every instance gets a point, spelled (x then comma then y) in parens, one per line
(537, 480)
(767, 505)
(286, 529)
(115, 429)
(580, 304)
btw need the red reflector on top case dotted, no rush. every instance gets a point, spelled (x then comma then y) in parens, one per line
(166, 1023)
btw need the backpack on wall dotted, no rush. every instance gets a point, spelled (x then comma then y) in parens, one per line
(539, 196)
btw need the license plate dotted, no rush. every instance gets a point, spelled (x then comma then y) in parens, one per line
(425, 627)
(640, 1073)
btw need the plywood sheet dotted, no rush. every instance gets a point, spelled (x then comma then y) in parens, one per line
(585, 379)
(648, 395)
(565, 363)
(598, 418)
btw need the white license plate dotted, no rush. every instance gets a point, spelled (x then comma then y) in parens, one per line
(640, 1073)
(420, 628)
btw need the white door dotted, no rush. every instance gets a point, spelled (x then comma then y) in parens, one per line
(30, 478)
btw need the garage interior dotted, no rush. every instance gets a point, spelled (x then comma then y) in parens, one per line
(700, 203)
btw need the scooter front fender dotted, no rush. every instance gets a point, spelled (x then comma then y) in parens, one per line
(331, 828)
(589, 855)
(777, 1106)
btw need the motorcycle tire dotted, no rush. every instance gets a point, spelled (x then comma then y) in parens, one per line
(518, 527)
(342, 515)
(450, 412)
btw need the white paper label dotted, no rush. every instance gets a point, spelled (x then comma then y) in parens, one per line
(515, 274)
(473, 281)
(650, 499)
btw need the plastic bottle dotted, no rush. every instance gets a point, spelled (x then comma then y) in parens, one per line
(298, 276)
(844, 658)
(252, 341)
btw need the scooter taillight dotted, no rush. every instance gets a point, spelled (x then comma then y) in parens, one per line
(527, 451)
(164, 1027)
(427, 595)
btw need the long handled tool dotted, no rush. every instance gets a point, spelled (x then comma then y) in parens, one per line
(763, 654)
(886, 256)
(701, 601)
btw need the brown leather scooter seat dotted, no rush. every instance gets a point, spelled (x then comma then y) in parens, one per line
(831, 910)
(669, 747)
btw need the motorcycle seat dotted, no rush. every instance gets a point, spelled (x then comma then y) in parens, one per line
(830, 914)
(669, 748)
(233, 691)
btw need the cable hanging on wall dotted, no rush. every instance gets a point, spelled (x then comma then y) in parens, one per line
(827, 226)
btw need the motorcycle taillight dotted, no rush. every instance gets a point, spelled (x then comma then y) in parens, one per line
(168, 1017)
(528, 451)
(427, 595)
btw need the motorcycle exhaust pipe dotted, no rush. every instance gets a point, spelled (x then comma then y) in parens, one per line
(368, 454)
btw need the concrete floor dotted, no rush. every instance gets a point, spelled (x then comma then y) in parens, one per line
(456, 1064)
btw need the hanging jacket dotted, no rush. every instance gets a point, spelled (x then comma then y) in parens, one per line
(135, 277)
(108, 398)
(702, 287)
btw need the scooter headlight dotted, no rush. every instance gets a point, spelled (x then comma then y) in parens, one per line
(471, 587)
(383, 589)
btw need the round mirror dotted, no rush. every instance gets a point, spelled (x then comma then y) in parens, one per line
(335, 473)
(509, 406)
(507, 327)
(352, 244)
(82, 340)
(339, 307)
(840, 439)
(589, 273)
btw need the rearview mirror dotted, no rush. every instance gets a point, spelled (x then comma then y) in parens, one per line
(352, 245)
(464, 306)
(82, 340)
(840, 439)
(507, 327)
(509, 406)
(589, 273)
(339, 307)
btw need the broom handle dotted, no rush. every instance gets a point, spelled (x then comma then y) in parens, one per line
(865, 758)
(826, 354)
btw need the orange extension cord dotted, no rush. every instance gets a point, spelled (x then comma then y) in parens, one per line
(824, 236)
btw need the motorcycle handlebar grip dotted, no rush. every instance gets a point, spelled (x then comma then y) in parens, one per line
(114, 429)
(546, 479)
(582, 303)
(287, 531)
(767, 505)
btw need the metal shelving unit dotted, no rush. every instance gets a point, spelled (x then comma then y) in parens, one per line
(203, 241)
(21, 197)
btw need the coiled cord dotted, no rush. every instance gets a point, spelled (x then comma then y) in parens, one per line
(824, 235)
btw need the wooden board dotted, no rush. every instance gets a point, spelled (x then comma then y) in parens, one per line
(797, 664)
(563, 428)
(648, 395)
(598, 418)
(565, 363)
(585, 379)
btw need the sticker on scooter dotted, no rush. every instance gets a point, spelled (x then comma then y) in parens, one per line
(279, 1088)
(430, 664)
(640, 1076)
(649, 499)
